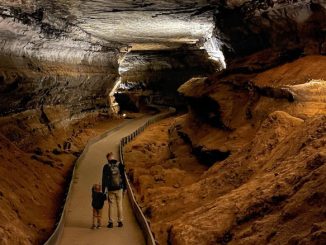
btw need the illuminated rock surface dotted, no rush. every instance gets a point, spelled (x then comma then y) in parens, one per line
(268, 189)
(63, 62)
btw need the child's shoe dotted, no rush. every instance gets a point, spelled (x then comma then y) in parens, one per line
(120, 224)
(98, 226)
(93, 227)
(110, 225)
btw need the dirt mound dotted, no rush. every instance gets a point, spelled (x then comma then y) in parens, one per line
(299, 71)
(263, 192)
(256, 196)
(270, 189)
(30, 195)
(36, 163)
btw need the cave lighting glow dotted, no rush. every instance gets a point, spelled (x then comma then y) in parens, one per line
(212, 47)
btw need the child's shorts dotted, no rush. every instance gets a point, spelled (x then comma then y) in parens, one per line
(97, 212)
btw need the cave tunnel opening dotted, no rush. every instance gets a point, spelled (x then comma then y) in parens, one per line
(152, 77)
(65, 65)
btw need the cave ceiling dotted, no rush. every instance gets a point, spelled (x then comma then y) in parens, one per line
(51, 47)
(138, 24)
(156, 22)
(150, 24)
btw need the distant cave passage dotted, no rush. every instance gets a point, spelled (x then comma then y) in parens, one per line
(126, 102)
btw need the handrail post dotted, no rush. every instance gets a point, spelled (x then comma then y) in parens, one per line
(150, 240)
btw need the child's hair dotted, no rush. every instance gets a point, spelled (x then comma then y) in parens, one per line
(97, 187)
(109, 154)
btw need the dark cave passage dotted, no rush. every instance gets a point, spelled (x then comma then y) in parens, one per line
(238, 158)
(153, 77)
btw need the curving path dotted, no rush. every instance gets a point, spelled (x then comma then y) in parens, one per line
(79, 214)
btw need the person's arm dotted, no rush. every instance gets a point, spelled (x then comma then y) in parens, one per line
(104, 178)
(122, 172)
(93, 192)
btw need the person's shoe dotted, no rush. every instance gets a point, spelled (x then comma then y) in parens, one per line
(110, 225)
(93, 227)
(120, 224)
(98, 226)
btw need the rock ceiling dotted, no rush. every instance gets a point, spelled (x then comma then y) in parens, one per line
(48, 48)
(141, 24)
(55, 52)
(164, 22)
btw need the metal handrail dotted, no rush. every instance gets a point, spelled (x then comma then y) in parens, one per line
(56, 235)
(143, 222)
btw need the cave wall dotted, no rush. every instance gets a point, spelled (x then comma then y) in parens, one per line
(79, 90)
(156, 74)
(52, 55)
(257, 36)
(54, 49)
(164, 69)
(43, 65)
(60, 60)
(290, 27)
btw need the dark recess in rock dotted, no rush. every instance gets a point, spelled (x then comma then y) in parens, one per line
(38, 151)
(233, 23)
(76, 153)
(277, 93)
(208, 110)
(205, 156)
(209, 157)
(43, 160)
(225, 239)
(255, 26)
(56, 151)
(12, 86)
(260, 209)
(184, 137)
(66, 145)
(43, 118)
(126, 103)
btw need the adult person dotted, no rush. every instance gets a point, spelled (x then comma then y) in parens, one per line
(114, 184)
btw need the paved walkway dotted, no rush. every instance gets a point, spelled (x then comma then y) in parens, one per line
(79, 217)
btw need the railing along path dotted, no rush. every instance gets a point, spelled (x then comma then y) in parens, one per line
(143, 222)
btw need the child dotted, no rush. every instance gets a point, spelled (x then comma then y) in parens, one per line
(98, 199)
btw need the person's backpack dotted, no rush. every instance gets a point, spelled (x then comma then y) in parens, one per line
(115, 180)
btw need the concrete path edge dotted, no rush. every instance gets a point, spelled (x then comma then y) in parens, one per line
(56, 235)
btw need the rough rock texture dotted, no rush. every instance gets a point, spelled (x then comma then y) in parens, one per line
(270, 189)
(59, 63)
(36, 163)
(154, 67)
(154, 76)
(292, 27)
(39, 68)
(75, 48)
(63, 60)
(55, 53)
(292, 87)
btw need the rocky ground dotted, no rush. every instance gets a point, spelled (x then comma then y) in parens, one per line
(205, 176)
(36, 163)
(244, 166)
